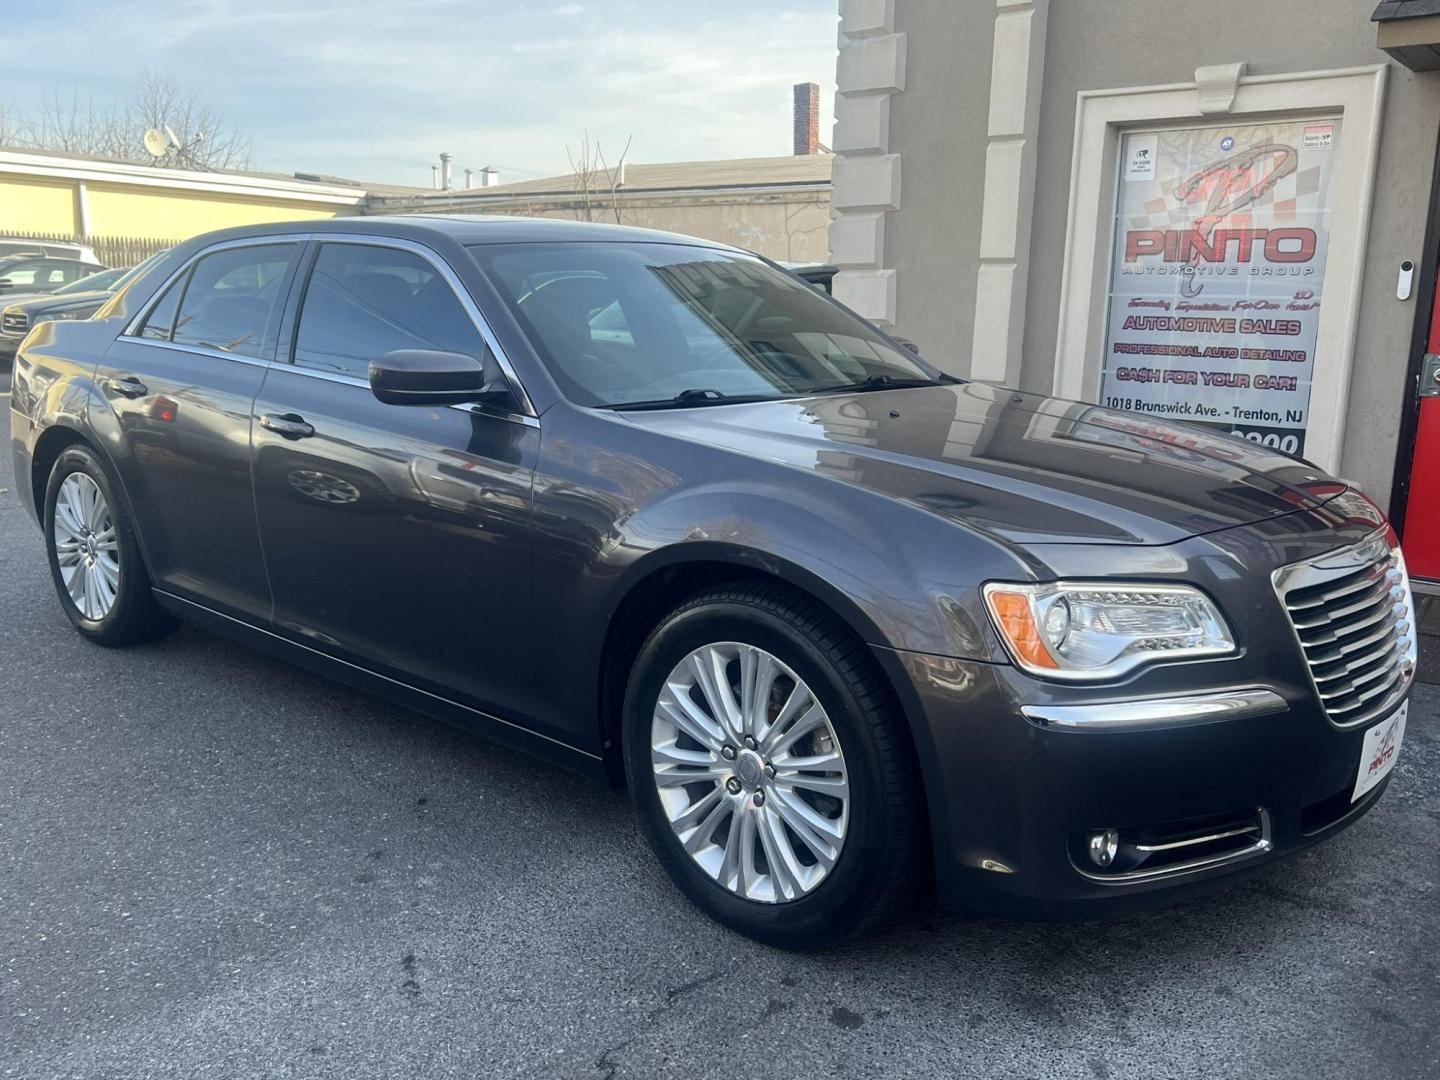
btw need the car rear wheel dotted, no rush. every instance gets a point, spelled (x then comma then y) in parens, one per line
(767, 761)
(94, 559)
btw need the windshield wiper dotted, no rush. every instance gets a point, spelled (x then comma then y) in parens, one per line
(689, 399)
(886, 382)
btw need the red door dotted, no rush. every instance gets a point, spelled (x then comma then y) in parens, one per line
(1422, 514)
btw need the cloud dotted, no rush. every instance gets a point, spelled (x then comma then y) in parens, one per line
(376, 89)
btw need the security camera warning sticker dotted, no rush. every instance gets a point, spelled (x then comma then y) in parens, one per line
(1140, 162)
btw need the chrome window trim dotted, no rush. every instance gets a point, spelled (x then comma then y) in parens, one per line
(206, 350)
(527, 415)
(1181, 710)
(462, 294)
(351, 380)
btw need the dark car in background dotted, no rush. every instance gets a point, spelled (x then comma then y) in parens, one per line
(32, 275)
(78, 300)
(659, 510)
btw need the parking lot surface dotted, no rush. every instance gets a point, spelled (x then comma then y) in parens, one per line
(213, 865)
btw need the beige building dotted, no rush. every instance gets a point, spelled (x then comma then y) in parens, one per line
(1220, 212)
(777, 206)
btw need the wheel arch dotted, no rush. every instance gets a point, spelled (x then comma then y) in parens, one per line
(54, 441)
(658, 584)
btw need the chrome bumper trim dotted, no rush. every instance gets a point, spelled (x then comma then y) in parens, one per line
(1167, 712)
(1264, 844)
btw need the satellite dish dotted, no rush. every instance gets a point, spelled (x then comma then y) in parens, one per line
(174, 139)
(156, 145)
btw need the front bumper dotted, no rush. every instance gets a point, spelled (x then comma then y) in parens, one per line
(1012, 796)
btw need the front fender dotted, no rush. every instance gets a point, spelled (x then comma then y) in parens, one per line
(899, 580)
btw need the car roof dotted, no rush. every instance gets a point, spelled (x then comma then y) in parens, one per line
(7, 238)
(37, 256)
(474, 229)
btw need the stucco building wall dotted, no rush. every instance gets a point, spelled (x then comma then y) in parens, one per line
(942, 122)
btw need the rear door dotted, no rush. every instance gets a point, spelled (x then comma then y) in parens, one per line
(179, 388)
(397, 537)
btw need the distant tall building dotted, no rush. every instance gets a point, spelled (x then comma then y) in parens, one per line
(807, 118)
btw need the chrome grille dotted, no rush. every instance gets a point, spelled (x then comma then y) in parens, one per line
(1354, 620)
(14, 322)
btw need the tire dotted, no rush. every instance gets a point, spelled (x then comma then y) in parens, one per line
(849, 887)
(121, 609)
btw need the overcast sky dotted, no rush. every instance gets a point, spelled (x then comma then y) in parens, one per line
(375, 89)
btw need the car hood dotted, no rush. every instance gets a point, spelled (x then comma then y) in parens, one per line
(46, 302)
(1026, 468)
(19, 298)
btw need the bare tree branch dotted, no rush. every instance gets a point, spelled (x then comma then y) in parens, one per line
(593, 177)
(76, 125)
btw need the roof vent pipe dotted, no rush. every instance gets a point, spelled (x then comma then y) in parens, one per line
(444, 172)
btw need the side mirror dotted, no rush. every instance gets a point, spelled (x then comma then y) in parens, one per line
(432, 377)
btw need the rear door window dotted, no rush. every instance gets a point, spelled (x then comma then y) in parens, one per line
(233, 299)
(365, 300)
(159, 325)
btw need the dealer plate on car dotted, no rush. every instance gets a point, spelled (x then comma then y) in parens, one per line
(1379, 751)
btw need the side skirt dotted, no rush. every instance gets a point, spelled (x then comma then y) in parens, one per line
(439, 708)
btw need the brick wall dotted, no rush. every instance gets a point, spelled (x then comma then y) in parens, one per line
(807, 118)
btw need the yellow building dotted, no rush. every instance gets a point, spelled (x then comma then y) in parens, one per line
(43, 193)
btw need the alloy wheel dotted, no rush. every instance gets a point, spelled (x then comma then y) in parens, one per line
(750, 772)
(86, 546)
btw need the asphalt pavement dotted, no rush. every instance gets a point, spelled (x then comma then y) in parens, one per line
(214, 865)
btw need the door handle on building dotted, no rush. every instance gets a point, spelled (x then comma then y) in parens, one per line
(1430, 376)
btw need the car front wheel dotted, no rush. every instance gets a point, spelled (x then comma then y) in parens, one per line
(767, 761)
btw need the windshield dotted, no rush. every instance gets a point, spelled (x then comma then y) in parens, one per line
(628, 323)
(101, 281)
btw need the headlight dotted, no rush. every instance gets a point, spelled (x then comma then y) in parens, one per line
(51, 316)
(1102, 630)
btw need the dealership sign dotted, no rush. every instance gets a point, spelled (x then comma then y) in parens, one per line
(1218, 275)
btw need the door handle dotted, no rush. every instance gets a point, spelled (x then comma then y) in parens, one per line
(287, 425)
(1430, 376)
(126, 386)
